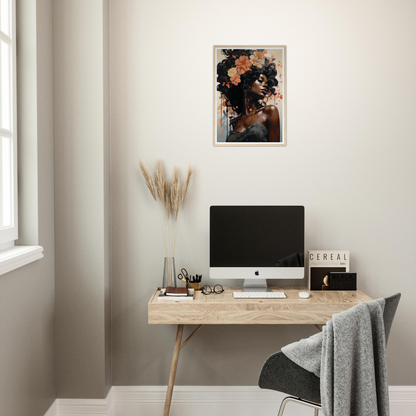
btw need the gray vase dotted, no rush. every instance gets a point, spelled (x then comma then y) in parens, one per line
(169, 272)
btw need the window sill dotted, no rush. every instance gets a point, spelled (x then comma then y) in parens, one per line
(18, 256)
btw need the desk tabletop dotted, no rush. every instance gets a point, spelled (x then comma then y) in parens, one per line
(219, 309)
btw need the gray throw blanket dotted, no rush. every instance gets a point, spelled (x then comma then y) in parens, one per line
(350, 358)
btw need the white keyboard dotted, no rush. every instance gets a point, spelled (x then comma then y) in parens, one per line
(259, 295)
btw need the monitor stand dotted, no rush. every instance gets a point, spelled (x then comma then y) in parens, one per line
(255, 285)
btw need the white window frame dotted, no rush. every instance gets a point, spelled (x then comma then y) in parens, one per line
(11, 256)
(9, 232)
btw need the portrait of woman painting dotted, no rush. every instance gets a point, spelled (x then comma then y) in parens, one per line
(250, 96)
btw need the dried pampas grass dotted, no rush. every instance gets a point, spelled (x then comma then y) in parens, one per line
(167, 197)
(160, 180)
(186, 183)
(170, 198)
(174, 193)
(148, 179)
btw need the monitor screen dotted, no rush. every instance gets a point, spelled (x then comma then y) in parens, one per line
(257, 241)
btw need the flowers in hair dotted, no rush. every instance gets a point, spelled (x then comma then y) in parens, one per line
(257, 59)
(244, 63)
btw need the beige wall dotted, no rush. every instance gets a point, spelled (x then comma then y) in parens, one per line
(27, 295)
(81, 132)
(349, 159)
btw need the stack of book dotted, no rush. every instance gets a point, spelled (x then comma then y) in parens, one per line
(176, 293)
(322, 263)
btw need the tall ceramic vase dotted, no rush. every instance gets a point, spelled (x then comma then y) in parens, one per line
(169, 272)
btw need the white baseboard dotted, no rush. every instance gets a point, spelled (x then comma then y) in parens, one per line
(83, 407)
(205, 401)
(402, 400)
(196, 400)
(53, 410)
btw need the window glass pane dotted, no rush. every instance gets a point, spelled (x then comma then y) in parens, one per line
(5, 182)
(5, 86)
(5, 16)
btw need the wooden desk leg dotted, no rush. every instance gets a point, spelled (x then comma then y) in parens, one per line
(173, 368)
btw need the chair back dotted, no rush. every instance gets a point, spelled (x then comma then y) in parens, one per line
(390, 308)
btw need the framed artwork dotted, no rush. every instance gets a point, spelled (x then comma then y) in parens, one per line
(250, 96)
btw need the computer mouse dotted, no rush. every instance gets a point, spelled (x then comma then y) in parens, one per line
(304, 295)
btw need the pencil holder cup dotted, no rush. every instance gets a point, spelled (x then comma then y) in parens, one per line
(195, 286)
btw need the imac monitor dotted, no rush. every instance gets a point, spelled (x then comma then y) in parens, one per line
(256, 243)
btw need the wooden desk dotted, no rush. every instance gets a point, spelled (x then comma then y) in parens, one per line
(223, 309)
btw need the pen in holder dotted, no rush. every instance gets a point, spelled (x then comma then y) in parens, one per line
(195, 281)
(193, 285)
(192, 282)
